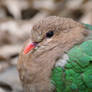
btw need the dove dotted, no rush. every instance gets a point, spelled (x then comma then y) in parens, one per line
(57, 57)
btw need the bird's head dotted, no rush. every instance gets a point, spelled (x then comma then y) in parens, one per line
(53, 31)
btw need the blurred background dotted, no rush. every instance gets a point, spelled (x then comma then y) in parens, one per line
(16, 20)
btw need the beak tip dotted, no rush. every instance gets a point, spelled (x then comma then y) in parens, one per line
(29, 48)
(24, 52)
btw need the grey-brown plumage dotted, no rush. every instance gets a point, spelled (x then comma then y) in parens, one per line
(35, 67)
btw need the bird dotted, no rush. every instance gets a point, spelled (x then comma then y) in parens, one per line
(57, 57)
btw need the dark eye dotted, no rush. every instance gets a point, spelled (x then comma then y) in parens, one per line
(49, 34)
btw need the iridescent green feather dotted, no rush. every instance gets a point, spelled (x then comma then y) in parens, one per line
(76, 76)
(88, 26)
(57, 78)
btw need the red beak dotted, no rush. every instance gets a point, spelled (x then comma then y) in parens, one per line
(29, 47)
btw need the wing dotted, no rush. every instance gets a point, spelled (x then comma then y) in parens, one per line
(76, 76)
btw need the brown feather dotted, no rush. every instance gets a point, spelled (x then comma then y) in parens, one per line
(35, 67)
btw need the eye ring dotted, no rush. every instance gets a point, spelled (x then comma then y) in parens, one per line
(49, 34)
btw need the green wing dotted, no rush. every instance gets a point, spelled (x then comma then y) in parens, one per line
(57, 78)
(76, 76)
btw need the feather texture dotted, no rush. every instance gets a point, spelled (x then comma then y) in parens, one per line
(76, 75)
